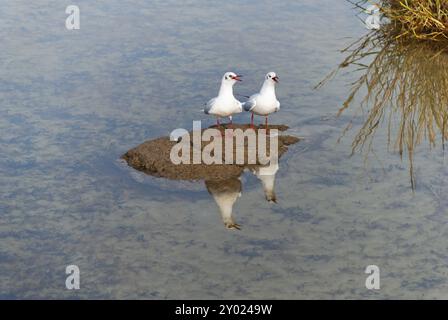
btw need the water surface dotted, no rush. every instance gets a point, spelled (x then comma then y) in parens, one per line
(72, 102)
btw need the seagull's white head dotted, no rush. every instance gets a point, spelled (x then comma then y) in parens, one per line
(231, 77)
(272, 77)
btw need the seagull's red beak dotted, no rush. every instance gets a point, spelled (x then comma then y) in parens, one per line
(237, 78)
(275, 79)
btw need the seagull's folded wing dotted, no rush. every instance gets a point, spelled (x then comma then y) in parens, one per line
(208, 107)
(249, 104)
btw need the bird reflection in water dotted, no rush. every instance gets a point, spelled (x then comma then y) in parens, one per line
(266, 174)
(226, 192)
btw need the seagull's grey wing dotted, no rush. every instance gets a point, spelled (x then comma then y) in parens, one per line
(250, 104)
(209, 106)
(278, 106)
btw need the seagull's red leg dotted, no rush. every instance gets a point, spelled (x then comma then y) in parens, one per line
(267, 130)
(230, 126)
(218, 125)
(252, 121)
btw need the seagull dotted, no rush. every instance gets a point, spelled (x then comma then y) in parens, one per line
(265, 102)
(225, 104)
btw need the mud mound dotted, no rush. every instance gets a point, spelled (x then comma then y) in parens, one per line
(153, 158)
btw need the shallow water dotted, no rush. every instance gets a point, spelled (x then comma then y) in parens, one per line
(74, 101)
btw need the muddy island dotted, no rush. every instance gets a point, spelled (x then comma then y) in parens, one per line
(153, 157)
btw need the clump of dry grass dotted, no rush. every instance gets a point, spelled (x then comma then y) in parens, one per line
(419, 19)
(407, 88)
(403, 85)
(404, 77)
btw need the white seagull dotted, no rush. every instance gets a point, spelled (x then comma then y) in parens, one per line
(265, 102)
(225, 104)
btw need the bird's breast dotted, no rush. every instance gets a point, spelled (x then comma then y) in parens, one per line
(226, 106)
(265, 105)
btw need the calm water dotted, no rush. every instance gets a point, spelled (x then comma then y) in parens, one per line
(72, 102)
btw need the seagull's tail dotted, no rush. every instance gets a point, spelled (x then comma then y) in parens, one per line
(207, 108)
(248, 105)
